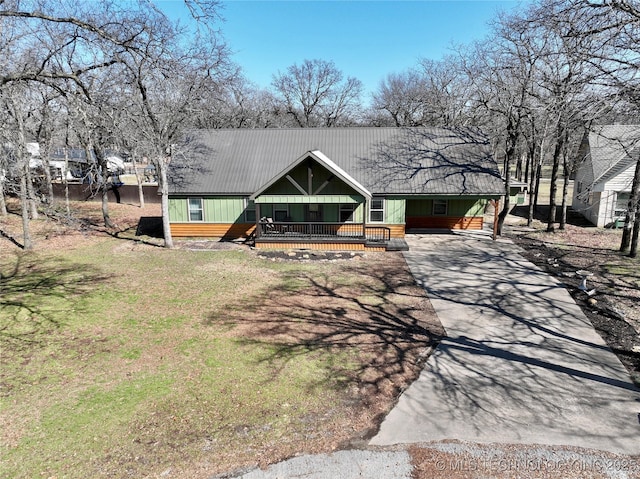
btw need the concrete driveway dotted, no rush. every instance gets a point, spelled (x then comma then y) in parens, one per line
(520, 364)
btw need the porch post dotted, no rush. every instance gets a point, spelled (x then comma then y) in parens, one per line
(258, 216)
(496, 207)
(365, 212)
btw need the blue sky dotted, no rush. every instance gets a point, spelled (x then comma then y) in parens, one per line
(365, 39)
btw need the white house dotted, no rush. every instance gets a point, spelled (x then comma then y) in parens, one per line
(606, 164)
(71, 162)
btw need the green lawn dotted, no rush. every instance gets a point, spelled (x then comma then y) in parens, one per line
(125, 359)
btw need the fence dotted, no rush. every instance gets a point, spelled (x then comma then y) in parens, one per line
(123, 194)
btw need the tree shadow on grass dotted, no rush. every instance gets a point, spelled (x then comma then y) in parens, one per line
(377, 329)
(36, 295)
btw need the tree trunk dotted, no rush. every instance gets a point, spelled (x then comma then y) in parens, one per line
(505, 208)
(537, 193)
(103, 171)
(553, 189)
(138, 181)
(25, 178)
(27, 243)
(533, 192)
(66, 183)
(632, 210)
(164, 190)
(565, 192)
(32, 198)
(633, 252)
(47, 173)
(3, 203)
(105, 205)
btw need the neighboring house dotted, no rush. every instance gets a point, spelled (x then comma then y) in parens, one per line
(330, 188)
(602, 182)
(517, 193)
(71, 162)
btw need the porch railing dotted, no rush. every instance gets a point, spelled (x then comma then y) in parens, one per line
(309, 230)
(378, 234)
(322, 231)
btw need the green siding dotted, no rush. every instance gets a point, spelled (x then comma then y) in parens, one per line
(456, 207)
(178, 210)
(216, 209)
(224, 210)
(394, 211)
(228, 209)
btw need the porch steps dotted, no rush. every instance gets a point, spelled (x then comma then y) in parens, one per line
(397, 244)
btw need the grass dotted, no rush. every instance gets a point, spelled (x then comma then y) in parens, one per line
(101, 344)
(108, 351)
(124, 359)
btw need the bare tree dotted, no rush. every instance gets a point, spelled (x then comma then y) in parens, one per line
(616, 24)
(97, 54)
(401, 96)
(166, 82)
(16, 147)
(501, 71)
(237, 103)
(447, 93)
(315, 93)
(629, 239)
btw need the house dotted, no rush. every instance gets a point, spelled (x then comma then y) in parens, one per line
(71, 163)
(606, 163)
(330, 188)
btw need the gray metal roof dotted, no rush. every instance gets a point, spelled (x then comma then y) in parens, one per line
(432, 161)
(613, 148)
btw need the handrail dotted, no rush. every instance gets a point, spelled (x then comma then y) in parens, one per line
(378, 233)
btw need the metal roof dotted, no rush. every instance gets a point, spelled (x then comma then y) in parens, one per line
(420, 161)
(613, 149)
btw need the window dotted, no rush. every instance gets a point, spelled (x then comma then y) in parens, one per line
(346, 213)
(281, 212)
(440, 207)
(249, 211)
(196, 212)
(622, 203)
(376, 212)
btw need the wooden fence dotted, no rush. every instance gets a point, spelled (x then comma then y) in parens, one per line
(123, 194)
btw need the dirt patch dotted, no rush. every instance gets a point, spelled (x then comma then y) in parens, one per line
(55, 229)
(385, 325)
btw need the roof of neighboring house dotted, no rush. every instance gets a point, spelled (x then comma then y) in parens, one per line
(432, 161)
(613, 149)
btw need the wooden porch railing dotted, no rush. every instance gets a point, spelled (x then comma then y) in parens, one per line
(322, 231)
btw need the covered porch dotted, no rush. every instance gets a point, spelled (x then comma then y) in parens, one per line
(339, 221)
(321, 231)
(314, 204)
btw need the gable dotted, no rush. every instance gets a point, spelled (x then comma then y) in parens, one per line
(310, 175)
(613, 149)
